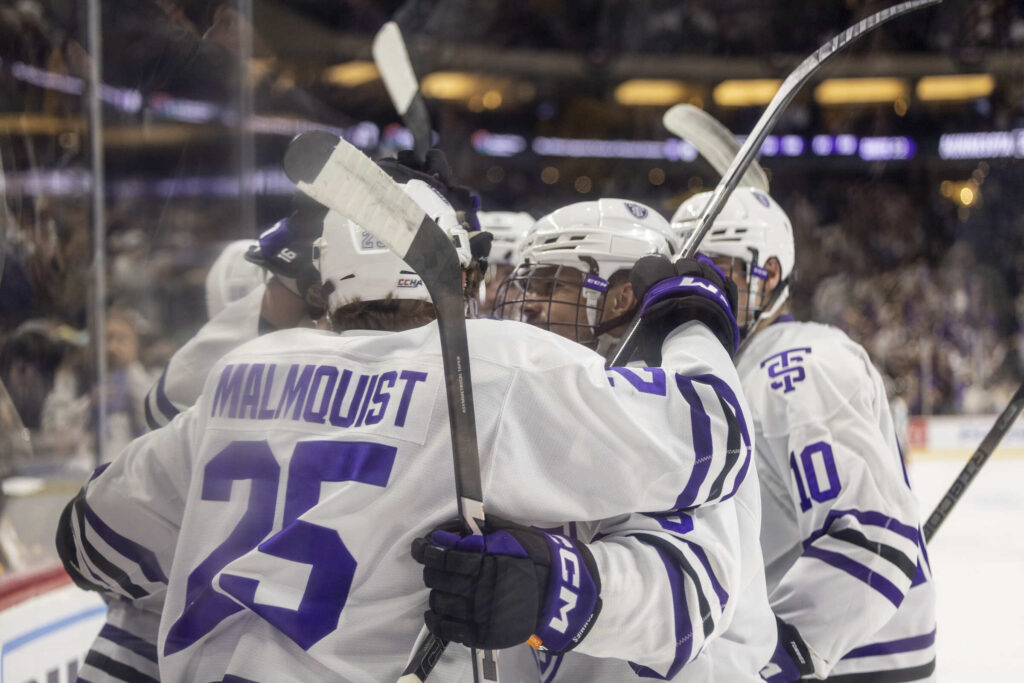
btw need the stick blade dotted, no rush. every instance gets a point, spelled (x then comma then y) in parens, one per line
(342, 178)
(395, 68)
(713, 141)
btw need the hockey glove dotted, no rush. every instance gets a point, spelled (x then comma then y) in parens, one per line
(675, 293)
(511, 585)
(791, 658)
(286, 248)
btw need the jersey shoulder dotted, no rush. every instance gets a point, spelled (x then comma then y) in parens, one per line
(808, 370)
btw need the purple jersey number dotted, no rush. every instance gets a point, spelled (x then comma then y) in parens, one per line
(808, 464)
(333, 567)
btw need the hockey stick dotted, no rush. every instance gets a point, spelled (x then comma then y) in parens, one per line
(342, 178)
(396, 71)
(752, 144)
(713, 141)
(973, 466)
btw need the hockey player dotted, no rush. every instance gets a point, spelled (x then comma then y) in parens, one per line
(340, 448)
(847, 570)
(723, 631)
(507, 228)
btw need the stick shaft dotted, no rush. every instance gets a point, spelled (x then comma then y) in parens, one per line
(974, 464)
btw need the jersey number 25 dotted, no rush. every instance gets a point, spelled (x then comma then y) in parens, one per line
(333, 567)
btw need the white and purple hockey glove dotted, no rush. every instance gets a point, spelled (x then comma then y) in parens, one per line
(510, 586)
(674, 293)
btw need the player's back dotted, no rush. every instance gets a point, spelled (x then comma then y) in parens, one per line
(827, 454)
(316, 459)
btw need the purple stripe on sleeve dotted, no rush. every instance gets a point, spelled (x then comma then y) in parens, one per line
(723, 595)
(702, 446)
(144, 557)
(855, 569)
(162, 402)
(890, 647)
(683, 628)
(723, 389)
(869, 518)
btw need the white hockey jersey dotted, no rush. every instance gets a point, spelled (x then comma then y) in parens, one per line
(182, 380)
(277, 514)
(844, 555)
(738, 637)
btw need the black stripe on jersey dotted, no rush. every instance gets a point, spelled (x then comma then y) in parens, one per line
(116, 669)
(102, 563)
(68, 551)
(914, 673)
(732, 453)
(129, 641)
(902, 562)
(677, 556)
(150, 419)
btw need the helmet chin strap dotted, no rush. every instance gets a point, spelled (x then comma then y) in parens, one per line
(771, 307)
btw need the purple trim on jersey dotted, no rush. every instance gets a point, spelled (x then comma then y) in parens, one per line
(144, 557)
(683, 627)
(692, 285)
(723, 389)
(99, 470)
(703, 448)
(723, 595)
(162, 402)
(858, 571)
(891, 647)
(784, 318)
(548, 669)
(596, 283)
(870, 518)
(129, 641)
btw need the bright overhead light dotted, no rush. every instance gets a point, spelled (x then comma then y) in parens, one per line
(650, 92)
(451, 85)
(860, 90)
(745, 93)
(955, 88)
(351, 74)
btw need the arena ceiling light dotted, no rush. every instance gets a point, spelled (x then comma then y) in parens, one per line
(352, 74)
(651, 92)
(839, 91)
(745, 93)
(955, 88)
(453, 85)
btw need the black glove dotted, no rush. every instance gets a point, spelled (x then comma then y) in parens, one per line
(512, 585)
(675, 293)
(791, 658)
(286, 248)
(436, 172)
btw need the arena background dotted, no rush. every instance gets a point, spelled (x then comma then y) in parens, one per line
(138, 137)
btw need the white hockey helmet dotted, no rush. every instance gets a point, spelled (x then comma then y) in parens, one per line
(507, 229)
(598, 239)
(231, 277)
(752, 228)
(354, 265)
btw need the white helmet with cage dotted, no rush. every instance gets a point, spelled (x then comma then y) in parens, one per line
(752, 228)
(598, 239)
(507, 228)
(354, 265)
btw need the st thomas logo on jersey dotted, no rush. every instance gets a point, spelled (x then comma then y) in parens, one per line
(637, 210)
(785, 366)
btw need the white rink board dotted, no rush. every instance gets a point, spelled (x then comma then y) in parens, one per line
(48, 635)
(977, 558)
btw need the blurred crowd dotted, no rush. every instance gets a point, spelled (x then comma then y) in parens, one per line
(931, 288)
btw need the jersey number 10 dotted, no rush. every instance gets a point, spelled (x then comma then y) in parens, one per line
(810, 457)
(332, 566)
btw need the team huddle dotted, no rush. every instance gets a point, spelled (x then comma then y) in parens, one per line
(732, 505)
